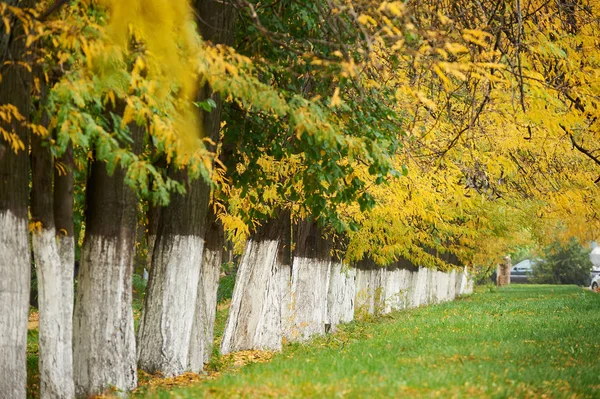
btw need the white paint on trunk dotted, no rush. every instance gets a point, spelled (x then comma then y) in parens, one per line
(363, 300)
(392, 291)
(14, 300)
(103, 335)
(66, 253)
(452, 285)
(310, 280)
(201, 342)
(285, 294)
(419, 294)
(164, 335)
(370, 292)
(55, 364)
(463, 285)
(469, 282)
(340, 298)
(443, 283)
(397, 289)
(254, 320)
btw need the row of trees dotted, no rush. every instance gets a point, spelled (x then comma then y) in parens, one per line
(435, 134)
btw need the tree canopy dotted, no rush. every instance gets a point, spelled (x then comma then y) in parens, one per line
(411, 129)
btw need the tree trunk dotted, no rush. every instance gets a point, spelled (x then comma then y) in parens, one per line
(419, 294)
(310, 283)
(15, 254)
(452, 285)
(55, 339)
(201, 343)
(166, 323)
(65, 240)
(166, 339)
(397, 289)
(370, 289)
(340, 298)
(504, 272)
(254, 320)
(104, 342)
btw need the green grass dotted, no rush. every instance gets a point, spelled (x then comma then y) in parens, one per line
(521, 341)
(33, 374)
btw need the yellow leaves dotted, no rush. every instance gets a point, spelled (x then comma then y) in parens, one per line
(35, 227)
(238, 231)
(456, 48)
(39, 130)
(127, 115)
(395, 8)
(6, 24)
(444, 19)
(476, 36)
(336, 100)
(426, 101)
(367, 20)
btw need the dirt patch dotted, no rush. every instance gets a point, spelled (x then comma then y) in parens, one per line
(34, 321)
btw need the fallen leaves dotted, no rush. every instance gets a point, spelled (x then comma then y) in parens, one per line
(230, 362)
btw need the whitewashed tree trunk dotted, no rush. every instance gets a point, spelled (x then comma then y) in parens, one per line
(310, 280)
(393, 291)
(364, 300)
(431, 286)
(66, 253)
(370, 291)
(443, 284)
(420, 287)
(254, 320)
(166, 326)
(14, 300)
(55, 338)
(452, 285)
(15, 266)
(340, 299)
(379, 284)
(103, 334)
(462, 283)
(285, 292)
(55, 309)
(469, 282)
(201, 342)
(406, 278)
(104, 342)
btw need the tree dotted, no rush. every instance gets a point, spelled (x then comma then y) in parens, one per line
(15, 105)
(54, 261)
(567, 263)
(104, 340)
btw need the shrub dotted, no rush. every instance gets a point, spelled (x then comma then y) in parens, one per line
(226, 282)
(564, 264)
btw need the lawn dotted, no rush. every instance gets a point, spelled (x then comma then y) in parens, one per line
(520, 341)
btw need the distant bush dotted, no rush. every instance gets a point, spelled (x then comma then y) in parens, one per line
(226, 282)
(564, 264)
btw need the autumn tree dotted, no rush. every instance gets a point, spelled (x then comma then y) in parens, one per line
(15, 106)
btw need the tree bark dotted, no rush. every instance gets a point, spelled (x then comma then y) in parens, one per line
(65, 240)
(254, 320)
(174, 324)
(216, 20)
(397, 289)
(104, 342)
(55, 338)
(201, 343)
(311, 268)
(166, 323)
(370, 286)
(340, 298)
(15, 254)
